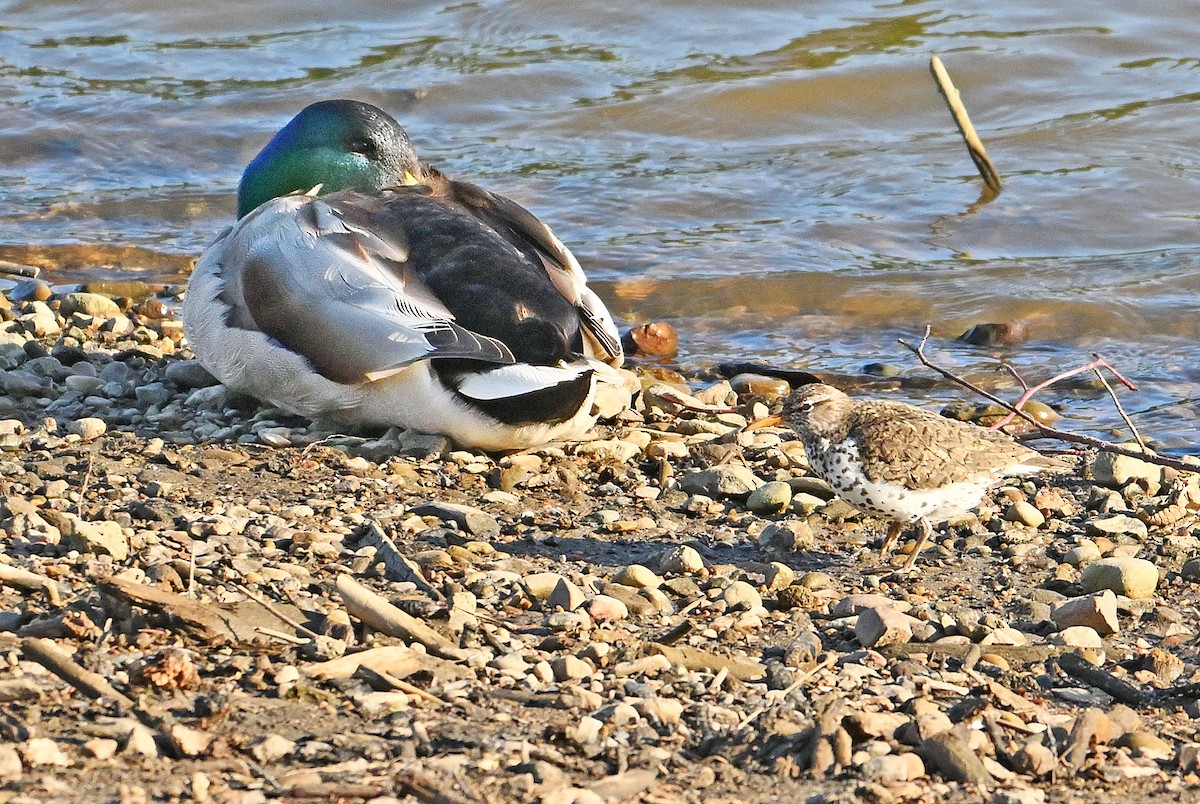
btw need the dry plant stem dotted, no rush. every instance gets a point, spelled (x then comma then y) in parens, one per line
(1121, 408)
(1097, 363)
(979, 156)
(1046, 430)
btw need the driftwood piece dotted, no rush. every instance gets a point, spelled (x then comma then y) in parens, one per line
(381, 615)
(1077, 667)
(398, 566)
(696, 659)
(979, 155)
(30, 582)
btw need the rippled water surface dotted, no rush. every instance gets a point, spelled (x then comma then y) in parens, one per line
(779, 180)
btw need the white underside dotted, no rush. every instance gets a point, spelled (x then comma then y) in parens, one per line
(250, 362)
(844, 474)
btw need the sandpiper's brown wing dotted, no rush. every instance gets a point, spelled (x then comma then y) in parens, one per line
(922, 450)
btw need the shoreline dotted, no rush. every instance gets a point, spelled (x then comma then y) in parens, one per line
(668, 612)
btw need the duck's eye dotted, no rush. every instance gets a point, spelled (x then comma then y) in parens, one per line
(807, 406)
(364, 147)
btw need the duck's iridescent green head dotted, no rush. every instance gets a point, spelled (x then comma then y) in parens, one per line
(339, 144)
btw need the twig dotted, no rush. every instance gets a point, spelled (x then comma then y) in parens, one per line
(979, 156)
(1121, 409)
(1046, 430)
(381, 615)
(1097, 363)
(266, 604)
(30, 581)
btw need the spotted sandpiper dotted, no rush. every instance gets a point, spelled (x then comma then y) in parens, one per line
(900, 462)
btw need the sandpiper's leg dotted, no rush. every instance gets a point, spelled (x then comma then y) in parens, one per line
(926, 531)
(889, 541)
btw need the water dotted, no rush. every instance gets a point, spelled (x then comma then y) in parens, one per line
(779, 180)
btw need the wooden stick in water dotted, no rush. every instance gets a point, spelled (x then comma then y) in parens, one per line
(19, 269)
(974, 145)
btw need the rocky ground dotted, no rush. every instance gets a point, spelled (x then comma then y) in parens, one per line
(208, 600)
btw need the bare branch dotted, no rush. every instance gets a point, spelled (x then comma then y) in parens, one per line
(1046, 430)
(979, 155)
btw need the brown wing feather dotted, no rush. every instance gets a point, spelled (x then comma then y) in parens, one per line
(928, 450)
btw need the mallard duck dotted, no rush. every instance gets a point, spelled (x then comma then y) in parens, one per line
(359, 285)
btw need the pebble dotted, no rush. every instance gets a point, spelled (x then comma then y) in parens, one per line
(605, 609)
(272, 747)
(566, 596)
(637, 576)
(568, 668)
(950, 755)
(1025, 513)
(730, 480)
(468, 518)
(1115, 471)
(741, 596)
(88, 428)
(681, 560)
(41, 752)
(1133, 577)
(1098, 612)
(770, 498)
(1083, 553)
(881, 626)
(1078, 636)
(891, 769)
(1117, 525)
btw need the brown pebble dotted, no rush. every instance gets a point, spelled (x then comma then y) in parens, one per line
(657, 339)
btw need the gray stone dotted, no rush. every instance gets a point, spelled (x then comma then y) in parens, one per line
(189, 374)
(681, 560)
(469, 520)
(88, 429)
(881, 626)
(1098, 612)
(1115, 471)
(730, 480)
(950, 755)
(741, 596)
(92, 304)
(770, 498)
(1132, 577)
(1115, 525)
(154, 393)
(565, 595)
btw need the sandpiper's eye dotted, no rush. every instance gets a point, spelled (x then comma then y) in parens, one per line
(807, 406)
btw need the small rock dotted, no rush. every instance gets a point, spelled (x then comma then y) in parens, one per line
(1146, 744)
(272, 747)
(1133, 577)
(1025, 513)
(779, 576)
(540, 585)
(1083, 553)
(42, 751)
(741, 596)
(605, 608)
(681, 560)
(1187, 757)
(565, 595)
(101, 538)
(1098, 612)
(770, 498)
(1115, 471)
(950, 755)
(729, 480)
(881, 626)
(853, 604)
(88, 429)
(188, 374)
(1078, 636)
(1116, 525)
(100, 748)
(471, 520)
(637, 576)
(892, 769)
(782, 539)
(1024, 795)
(570, 667)
(92, 304)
